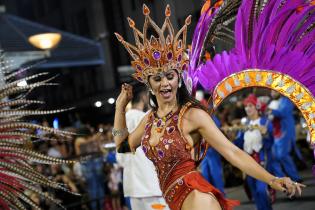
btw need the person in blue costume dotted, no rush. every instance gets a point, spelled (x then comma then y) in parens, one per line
(211, 166)
(284, 135)
(257, 141)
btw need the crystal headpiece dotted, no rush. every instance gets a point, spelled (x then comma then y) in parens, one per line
(157, 54)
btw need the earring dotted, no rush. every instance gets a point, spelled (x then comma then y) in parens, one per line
(180, 84)
(151, 91)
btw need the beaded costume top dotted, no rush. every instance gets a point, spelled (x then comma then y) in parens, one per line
(175, 166)
(169, 151)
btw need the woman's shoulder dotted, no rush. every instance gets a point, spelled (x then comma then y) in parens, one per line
(198, 112)
(193, 118)
(193, 112)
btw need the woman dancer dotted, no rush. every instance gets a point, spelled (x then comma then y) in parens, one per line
(170, 132)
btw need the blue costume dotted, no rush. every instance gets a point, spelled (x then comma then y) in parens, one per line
(211, 166)
(284, 134)
(259, 189)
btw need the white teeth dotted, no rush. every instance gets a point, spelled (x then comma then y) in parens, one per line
(165, 91)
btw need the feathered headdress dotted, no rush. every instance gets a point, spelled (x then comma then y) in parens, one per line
(274, 48)
(17, 175)
(157, 54)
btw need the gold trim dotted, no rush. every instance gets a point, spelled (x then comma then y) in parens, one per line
(280, 82)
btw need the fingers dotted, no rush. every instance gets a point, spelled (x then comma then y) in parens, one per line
(299, 190)
(126, 86)
(126, 92)
(278, 184)
(301, 185)
(281, 187)
(286, 185)
(292, 187)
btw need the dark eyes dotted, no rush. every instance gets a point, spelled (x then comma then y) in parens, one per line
(157, 78)
(170, 76)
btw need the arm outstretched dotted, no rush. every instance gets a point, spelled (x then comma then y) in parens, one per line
(207, 128)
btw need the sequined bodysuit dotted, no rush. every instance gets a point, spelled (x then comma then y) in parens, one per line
(175, 167)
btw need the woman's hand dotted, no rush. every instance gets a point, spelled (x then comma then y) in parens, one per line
(124, 97)
(286, 185)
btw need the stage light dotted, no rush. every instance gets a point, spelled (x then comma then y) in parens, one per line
(111, 100)
(98, 103)
(45, 41)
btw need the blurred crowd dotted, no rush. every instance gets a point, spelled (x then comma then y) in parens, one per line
(95, 180)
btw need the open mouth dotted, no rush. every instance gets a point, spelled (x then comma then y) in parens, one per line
(166, 93)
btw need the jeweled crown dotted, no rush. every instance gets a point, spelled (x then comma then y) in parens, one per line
(156, 54)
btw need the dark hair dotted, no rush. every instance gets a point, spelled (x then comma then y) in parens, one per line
(182, 96)
(84, 131)
(138, 91)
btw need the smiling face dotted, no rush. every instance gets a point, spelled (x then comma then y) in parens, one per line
(251, 110)
(164, 86)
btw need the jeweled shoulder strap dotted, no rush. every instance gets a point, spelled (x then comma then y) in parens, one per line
(200, 148)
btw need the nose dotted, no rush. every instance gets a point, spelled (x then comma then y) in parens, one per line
(164, 81)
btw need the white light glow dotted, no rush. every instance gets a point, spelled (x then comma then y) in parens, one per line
(109, 145)
(22, 83)
(46, 43)
(98, 104)
(111, 100)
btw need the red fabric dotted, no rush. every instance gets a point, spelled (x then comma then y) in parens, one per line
(4, 205)
(256, 157)
(180, 170)
(196, 181)
(252, 99)
(276, 128)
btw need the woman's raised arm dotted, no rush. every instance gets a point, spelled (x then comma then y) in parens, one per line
(120, 131)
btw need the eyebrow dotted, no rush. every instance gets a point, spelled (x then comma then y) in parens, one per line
(170, 72)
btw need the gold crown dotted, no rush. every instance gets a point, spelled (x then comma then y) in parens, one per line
(157, 54)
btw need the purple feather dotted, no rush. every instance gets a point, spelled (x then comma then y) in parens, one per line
(291, 25)
(306, 42)
(304, 26)
(274, 45)
(240, 41)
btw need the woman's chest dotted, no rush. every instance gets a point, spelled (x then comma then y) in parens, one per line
(168, 146)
